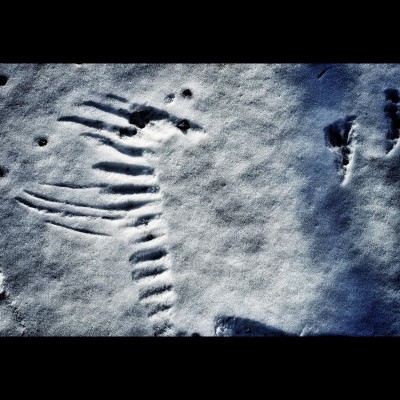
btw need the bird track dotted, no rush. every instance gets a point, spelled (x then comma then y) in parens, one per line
(340, 135)
(392, 114)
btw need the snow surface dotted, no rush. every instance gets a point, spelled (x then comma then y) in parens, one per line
(256, 226)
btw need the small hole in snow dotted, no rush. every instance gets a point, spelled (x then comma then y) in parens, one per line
(139, 118)
(169, 98)
(3, 80)
(127, 132)
(3, 172)
(392, 95)
(183, 125)
(187, 94)
(42, 142)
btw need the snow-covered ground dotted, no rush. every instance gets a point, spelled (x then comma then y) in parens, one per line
(207, 199)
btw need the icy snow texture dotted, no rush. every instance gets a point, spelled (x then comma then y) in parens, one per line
(258, 225)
